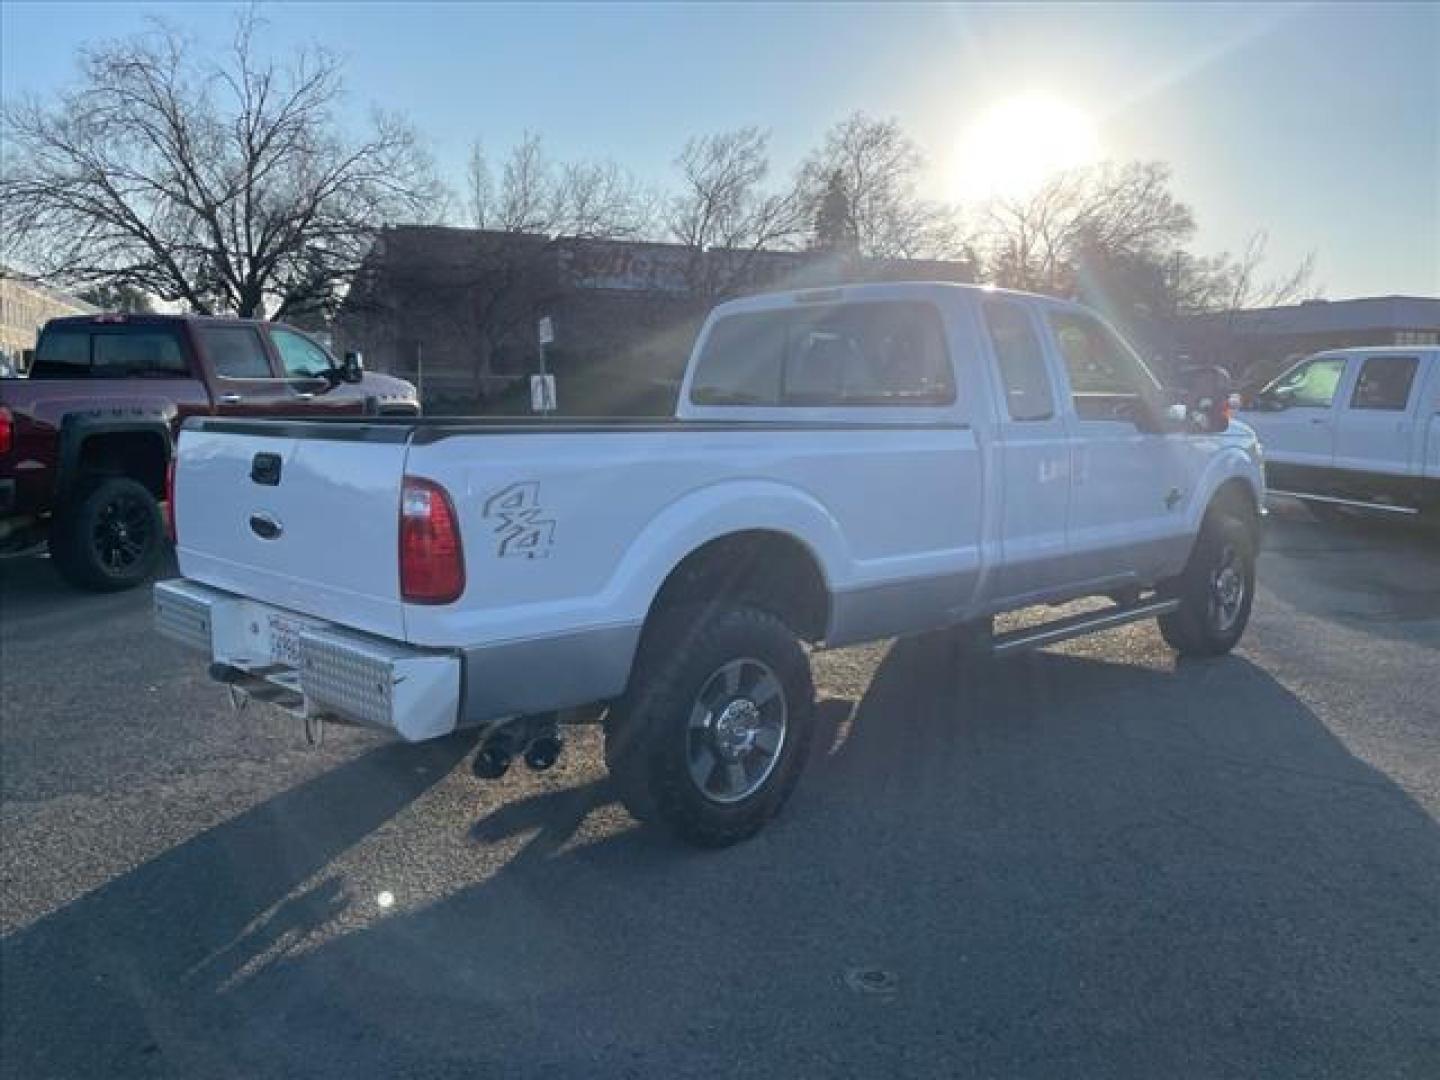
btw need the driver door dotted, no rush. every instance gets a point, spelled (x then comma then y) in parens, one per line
(306, 365)
(1298, 429)
(1129, 486)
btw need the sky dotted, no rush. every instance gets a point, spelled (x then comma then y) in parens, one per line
(1318, 123)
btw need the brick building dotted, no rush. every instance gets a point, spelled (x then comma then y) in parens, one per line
(1258, 344)
(456, 310)
(26, 306)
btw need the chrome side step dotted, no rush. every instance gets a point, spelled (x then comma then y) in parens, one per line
(1334, 501)
(1032, 637)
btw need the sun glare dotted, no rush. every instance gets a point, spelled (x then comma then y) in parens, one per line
(1016, 145)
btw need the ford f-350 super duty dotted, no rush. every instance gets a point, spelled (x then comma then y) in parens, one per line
(845, 465)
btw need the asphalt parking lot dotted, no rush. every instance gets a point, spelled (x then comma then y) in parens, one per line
(1092, 861)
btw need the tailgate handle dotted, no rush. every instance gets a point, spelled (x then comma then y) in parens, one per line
(265, 469)
(265, 526)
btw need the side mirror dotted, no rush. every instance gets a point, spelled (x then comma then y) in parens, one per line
(1270, 401)
(1208, 397)
(352, 369)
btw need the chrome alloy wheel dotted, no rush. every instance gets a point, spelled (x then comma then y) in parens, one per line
(736, 730)
(1227, 590)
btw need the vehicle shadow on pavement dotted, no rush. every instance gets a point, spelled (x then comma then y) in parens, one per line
(1060, 865)
(1370, 573)
(121, 971)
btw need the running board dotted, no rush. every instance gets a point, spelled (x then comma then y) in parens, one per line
(1358, 504)
(1032, 637)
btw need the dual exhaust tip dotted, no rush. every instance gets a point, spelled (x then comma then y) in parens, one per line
(496, 754)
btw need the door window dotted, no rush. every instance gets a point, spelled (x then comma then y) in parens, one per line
(236, 352)
(1107, 379)
(301, 357)
(886, 353)
(1385, 383)
(1311, 384)
(741, 361)
(1021, 359)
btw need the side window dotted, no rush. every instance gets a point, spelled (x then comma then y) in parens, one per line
(235, 351)
(1100, 365)
(141, 351)
(1310, 385)
(1385, 383)
(62, 352)
(741, 361)
(1028, 394)
(301, 357)
(886, 353)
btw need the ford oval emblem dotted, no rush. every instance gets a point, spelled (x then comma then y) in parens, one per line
(265, 527)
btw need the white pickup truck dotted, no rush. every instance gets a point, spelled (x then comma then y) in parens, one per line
(845, 465)
(1355, 428)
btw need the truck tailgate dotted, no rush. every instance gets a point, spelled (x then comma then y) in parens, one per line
(301, 515)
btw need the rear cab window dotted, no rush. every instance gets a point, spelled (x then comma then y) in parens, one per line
(86, 350)
(859, 354)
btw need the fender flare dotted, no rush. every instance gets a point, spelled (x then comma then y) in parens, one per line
(78, 427)
(1230, 465)
(711, 513)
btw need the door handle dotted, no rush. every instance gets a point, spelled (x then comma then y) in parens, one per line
(305, 395)
(1318, 420)
(230, 399)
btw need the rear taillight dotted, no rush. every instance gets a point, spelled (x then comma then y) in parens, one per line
(170, 500)
(7, 430)
(432, 566)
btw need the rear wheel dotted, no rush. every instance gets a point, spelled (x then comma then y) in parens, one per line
(1215, 590)
(110, 537)
(713, 735)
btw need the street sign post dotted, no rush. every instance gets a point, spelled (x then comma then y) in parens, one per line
(542, 386)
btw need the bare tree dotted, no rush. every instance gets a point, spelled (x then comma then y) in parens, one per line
(878, 168)
(479, 189)
(227, 186)
(585, 199)
(1110, 212)
(1239, 284)
(723, 205)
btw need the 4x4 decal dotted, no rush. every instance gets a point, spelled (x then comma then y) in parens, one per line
(523, 530)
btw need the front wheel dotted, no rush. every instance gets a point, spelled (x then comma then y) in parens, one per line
(1216, 589)
(110, 537)
(716, 728)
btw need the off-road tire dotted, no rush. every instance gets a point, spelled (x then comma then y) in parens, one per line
(86, 547)
(1195, 629)
(648, 732)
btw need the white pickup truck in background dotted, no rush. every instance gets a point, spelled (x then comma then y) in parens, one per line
(845, 465)
(1355, 428)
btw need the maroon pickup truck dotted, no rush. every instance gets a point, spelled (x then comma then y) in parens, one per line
(86, 439)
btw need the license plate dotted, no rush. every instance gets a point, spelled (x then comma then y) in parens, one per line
(285, 640)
